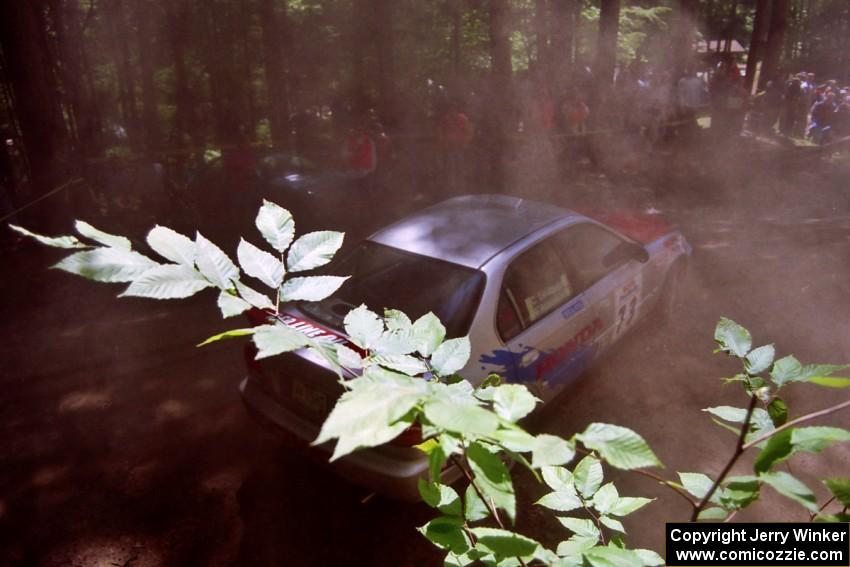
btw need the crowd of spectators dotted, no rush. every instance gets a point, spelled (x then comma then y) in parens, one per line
(803, 107)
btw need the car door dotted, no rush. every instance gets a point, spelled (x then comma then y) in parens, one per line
(609, 271)
(543, 321)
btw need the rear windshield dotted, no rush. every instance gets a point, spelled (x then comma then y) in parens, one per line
(385, 277)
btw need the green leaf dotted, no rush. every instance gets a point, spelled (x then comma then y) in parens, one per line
(628, 504)
(253, 297)
(504, 543)
(830, 381)
(576, 546)
(276, 339)
(840, 488)
(107, 265)
(612, 524)
(513, 401)
(728, 413)
(558, 478)
(66, 242)
(276, 225)
(649, 558)
(606, 498)
(619, 446)
(406, 364)
(732, 338)
(515, 439)
(371, 414)
(397, 320)
(492, 478)
(778, 448)
(551, 450)
(583, 528)
(310, 288)
(612, 557)
(313, 250)
(563, 500)
(813, 370)
(428, 333)
(815, 439)
(759, 360)
(697, 484)
(231, 334)
(260, 264)
(712, 514)
(214, 264)
(467, 419)
(440, 496)
(447, 532)
(588, 476)
(778, 412)
(348, 358)
(364, 327)
(111, 240)
(230, 305)
(474, 508)
(451, 356)
(740, 492)
(170, 281)
(172, 245)
(786, 369)
(791, 488)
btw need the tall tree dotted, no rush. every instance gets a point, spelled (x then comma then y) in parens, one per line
(275, 26)
(606, 50)
(29, 70)
(384, 48)
(150, 110)
(775, 41)
(757, 40)
(563, 31)
(542, 22)
(684, 34)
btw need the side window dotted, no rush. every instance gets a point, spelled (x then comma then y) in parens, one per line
(535, 284)
(591, 252)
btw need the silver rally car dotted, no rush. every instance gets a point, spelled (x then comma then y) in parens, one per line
(542, 291)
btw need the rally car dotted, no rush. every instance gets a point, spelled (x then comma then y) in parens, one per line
(541, 291)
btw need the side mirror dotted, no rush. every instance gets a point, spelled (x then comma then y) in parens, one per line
(625, 252)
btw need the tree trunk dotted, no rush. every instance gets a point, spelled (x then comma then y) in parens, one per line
(457, 30)
(562, 38)
(499, 119)
(150, 111)
(775, 42)
(683, 36)
(542, 19)
(757, 41)
(37, 110)
(275, 26)
(606, 52)
(178, 20)
(384, 45)
(123, 64)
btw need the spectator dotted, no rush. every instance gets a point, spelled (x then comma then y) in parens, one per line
(454, 133)
(823, 117)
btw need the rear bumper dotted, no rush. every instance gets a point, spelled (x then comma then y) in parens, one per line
(388, 470)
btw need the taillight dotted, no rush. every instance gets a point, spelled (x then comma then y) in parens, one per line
(409, 437)
(258, 316)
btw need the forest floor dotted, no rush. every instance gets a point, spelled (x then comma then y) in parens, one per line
(124, 445)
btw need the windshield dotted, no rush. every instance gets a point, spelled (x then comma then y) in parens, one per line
(385, 277)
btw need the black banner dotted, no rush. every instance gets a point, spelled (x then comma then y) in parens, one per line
(761, 545)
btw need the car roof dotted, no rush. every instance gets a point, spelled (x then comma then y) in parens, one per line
(471, 229)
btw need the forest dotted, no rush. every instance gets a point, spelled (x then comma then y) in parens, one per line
(90, 80)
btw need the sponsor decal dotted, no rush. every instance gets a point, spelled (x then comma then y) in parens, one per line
(313, 330)
(550, 367)
(573, 308)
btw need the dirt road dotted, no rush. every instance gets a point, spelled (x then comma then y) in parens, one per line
(124, 445)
